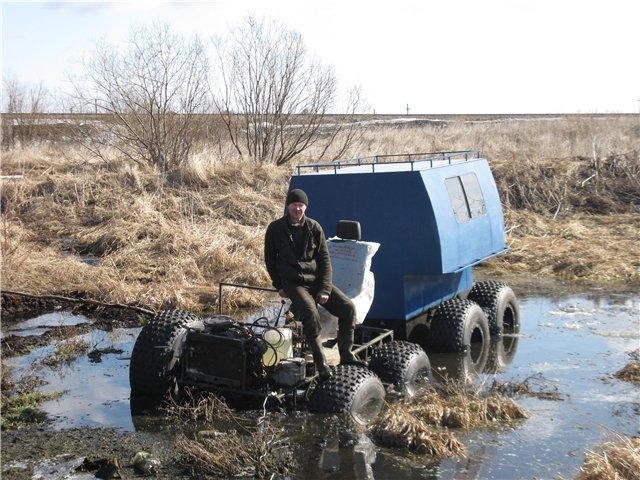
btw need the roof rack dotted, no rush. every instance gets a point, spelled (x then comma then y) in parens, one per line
(391, 159)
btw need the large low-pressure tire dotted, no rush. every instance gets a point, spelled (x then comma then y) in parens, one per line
(500, 305)
(457, 324)
(403, 364)
(352, 389)
(151, 373)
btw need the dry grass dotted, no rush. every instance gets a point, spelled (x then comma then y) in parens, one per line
(255, 451)
(618, 459)
(199, 407)
(399, 428)
(543, 247)
(630, 372)
(457, 405)
(423, 423)
(569, 185)
(263, 454)
(157, 248)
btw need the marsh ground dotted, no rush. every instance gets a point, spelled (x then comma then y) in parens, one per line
(572, 340)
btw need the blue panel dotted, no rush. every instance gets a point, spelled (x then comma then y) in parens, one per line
(424, 254)
(427, 291)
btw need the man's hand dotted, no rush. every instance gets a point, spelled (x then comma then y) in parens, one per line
(282, 293)
(322, 298)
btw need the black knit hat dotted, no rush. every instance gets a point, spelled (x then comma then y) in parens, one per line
(297, 195)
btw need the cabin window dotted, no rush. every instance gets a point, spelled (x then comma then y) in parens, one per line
(466, 197)
(458, 200)
(474, 194)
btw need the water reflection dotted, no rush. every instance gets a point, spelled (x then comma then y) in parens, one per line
(483, 357)
(43, 323)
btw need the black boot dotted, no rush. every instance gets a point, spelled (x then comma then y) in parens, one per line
(345, 344)
(324, 372)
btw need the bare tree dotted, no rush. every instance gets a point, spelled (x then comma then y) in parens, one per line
(24, 107)
(152, 90)
(345, 131)
(272, 96)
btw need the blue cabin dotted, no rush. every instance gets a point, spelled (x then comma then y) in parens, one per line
(435, 215)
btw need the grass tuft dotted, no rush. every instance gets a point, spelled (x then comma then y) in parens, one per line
(199, 407)
(65, 352)
(22, 410)
(618, 459)
(398, 427)
(423, 423)
(262, 454)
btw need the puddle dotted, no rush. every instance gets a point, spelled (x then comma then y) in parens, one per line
(575, 342)
(96, 393)
(44, 323)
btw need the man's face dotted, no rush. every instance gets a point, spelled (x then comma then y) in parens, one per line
(296, 211)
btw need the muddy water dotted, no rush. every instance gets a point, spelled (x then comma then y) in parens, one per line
(571, 343)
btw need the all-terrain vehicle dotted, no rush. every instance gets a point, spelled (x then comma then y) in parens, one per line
(433, 215)
(268, 358)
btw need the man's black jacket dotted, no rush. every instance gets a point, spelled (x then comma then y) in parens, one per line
(286, 267)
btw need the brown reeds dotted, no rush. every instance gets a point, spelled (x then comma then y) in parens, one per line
(399, 428)
(423, 423)
(158, 248)
(617, 459)
(458, 405)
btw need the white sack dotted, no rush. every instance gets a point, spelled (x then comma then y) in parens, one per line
(351, 264)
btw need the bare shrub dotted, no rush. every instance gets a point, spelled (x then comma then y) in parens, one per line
(151, 92)
(24, 107)
(273, 97)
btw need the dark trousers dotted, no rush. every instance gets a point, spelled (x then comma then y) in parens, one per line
(303, 299)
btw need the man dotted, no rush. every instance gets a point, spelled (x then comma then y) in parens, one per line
(297, 259)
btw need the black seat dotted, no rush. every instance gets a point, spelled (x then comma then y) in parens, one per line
(348, 230)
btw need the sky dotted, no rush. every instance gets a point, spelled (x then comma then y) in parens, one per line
(436, 56)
